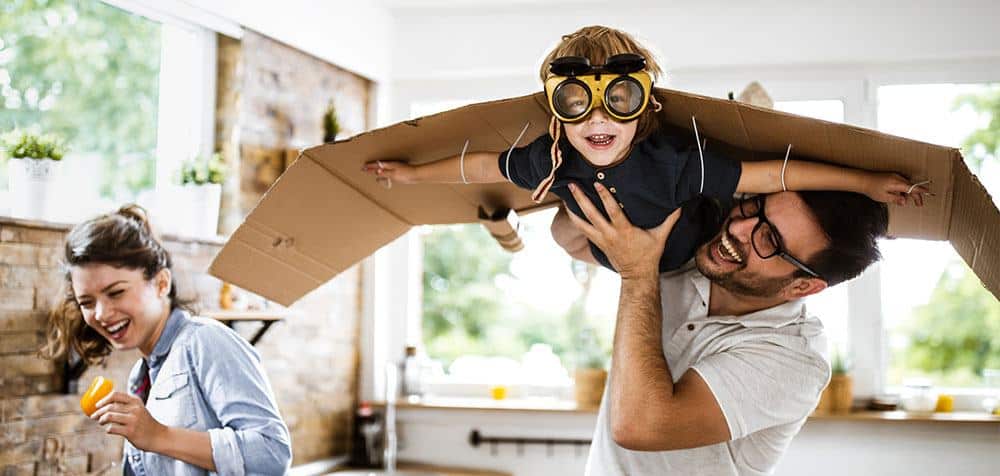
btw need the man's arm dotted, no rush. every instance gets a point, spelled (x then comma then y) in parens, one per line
(649, 412)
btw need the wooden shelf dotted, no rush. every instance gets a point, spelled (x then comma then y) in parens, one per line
(266, 317)
(951, 417)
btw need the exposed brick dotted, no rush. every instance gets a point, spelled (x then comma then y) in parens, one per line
(19, 321)
(19, 453)
(46, 405)
(19, 342)
(25, 365)
(24, 469)
(9, 233)
(18, 254)
(13, 433)
(59, 425)
(17, 299)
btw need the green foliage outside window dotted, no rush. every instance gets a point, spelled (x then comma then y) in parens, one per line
(88, 72)
(466, 311)
(956, 335)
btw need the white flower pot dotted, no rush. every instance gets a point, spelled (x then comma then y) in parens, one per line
(197, 210)
(32, 187)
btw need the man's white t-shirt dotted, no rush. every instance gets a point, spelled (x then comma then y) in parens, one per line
(766, 370)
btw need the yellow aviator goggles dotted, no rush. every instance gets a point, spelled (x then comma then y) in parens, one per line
(620, 86)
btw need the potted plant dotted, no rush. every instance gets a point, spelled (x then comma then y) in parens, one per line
(330, 124)
(31, 170)
(590, 374)
(200, 194)
(838, 396)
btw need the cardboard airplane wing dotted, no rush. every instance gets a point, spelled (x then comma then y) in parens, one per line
(323, 215)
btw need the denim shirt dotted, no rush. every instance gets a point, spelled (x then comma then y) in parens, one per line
(205, 377)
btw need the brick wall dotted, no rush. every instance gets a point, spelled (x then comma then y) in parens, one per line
(270, 101)
(311, 360)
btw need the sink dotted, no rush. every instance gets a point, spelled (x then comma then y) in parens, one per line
(381, 472)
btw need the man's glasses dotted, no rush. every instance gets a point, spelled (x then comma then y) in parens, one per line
(765, 239)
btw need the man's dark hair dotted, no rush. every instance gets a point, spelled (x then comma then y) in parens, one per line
(853, 223)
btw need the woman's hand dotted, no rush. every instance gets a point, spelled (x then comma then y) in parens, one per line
(126, 415)
(389, 172)
(890, 187)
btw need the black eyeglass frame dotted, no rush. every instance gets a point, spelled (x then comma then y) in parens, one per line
(779, 244)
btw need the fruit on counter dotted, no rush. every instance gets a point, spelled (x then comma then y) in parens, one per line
(945, 403)
(99, 389)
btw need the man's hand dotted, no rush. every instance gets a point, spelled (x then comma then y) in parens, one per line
(634, 252)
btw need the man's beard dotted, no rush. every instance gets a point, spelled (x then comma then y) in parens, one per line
(736, 283)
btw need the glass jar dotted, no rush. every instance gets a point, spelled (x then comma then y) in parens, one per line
(918, 395)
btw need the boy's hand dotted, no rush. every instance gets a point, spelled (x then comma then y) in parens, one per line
(890, 187)
(391, 171)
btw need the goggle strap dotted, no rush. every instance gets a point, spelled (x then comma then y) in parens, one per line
(556, 155)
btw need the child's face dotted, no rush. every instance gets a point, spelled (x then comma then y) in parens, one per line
(601, 139)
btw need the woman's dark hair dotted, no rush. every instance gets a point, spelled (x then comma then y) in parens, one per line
(123, 239)
(853, 223)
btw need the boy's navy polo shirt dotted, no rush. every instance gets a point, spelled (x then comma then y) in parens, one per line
(659, 175)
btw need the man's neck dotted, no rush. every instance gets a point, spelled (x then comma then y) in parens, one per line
(723, 302)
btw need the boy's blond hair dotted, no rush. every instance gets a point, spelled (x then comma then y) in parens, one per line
(598, 43)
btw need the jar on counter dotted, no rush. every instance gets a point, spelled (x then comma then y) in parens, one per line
(918, 395)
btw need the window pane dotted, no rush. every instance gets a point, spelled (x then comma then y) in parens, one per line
(940, 322)
(481, 300)
(88, 72)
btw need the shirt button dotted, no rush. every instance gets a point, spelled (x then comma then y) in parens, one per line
(135, 457)
(612, 189)
(690, 327)
(600, 175)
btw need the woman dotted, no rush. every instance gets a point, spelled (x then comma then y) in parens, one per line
(198, 400)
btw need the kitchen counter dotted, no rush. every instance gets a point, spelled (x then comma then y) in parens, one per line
(442, 470)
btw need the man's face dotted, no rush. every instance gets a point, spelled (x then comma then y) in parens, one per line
(730, 261)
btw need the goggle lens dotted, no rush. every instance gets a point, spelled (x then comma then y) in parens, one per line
(624, 96)
(571, 99)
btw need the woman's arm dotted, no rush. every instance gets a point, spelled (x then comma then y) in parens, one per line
(765, 177)
(479, 167)
(126, 415)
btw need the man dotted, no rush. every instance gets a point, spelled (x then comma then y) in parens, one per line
(715, 367)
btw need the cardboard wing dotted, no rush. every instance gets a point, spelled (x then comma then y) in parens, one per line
(323, 215)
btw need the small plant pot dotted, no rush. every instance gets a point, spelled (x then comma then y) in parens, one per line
(32, 187)
(841, 393)
(196, 209)
(589, 387)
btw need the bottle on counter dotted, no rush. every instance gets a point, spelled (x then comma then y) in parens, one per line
(368, 438)
(412, 387)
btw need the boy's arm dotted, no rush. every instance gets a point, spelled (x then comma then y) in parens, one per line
(479, 167)
(765, 177)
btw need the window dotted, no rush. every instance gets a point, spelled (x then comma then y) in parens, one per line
(940, 322)
(831, 304)
(126, 93)
(484, 309)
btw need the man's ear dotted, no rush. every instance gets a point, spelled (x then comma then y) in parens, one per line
(802, 287)
(164, 281)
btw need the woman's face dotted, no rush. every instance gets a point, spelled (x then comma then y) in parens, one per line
(121, 305)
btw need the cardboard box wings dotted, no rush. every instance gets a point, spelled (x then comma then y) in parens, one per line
(324, 215)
